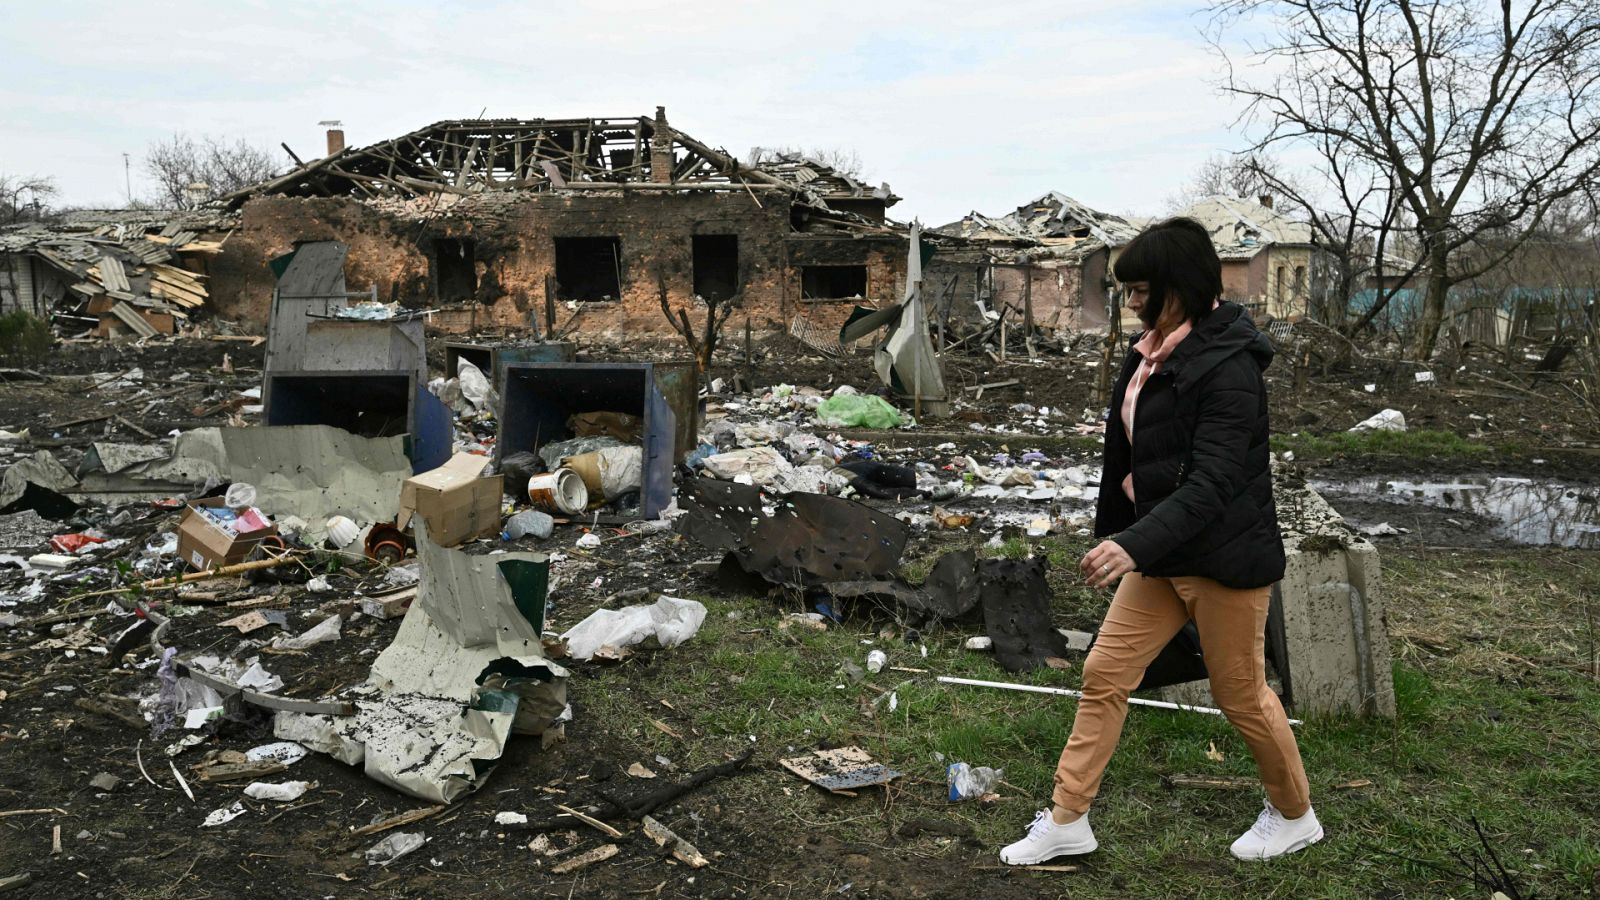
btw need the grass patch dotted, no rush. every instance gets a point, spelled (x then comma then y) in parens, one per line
(1417, 445)
(1478, 736)
(24, 339)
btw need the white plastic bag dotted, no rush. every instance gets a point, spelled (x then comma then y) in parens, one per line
(669, 621)
(757, 465)
(474, 384)
(1388, 420)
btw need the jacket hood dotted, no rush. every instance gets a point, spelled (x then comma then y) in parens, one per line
(1222, 333)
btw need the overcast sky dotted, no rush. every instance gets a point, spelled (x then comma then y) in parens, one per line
(959, 106)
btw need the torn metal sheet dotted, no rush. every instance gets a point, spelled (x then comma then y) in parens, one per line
(466, 670)
(906, 361)
(841, 769)
(112, 457)
(1016, 613)
(718, 514)
(888, 589)
(814, 539)
(952, 586)
(40, 469)
(310, 472)
(808, 539)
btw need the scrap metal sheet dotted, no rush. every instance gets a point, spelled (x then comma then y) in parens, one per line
(465, 671)
(307, 471)
(464, 619)
(1016, 613)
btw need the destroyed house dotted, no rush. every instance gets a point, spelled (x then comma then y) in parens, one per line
(529, 223)
(1051, 257)
(1270, 262)
(112, 272)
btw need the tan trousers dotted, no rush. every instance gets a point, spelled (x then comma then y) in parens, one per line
(1145, 614)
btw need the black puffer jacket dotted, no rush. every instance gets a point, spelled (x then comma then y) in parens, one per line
(1200, 460)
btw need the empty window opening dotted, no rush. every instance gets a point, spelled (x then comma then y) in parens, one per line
(588, 268)
(716, 266)
(833, 282)
(455, 269)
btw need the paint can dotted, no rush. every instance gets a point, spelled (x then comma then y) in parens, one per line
(561, 491)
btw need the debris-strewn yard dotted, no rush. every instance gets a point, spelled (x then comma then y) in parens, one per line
(1496, 676)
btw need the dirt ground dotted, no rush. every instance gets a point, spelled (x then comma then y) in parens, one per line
(142, 837)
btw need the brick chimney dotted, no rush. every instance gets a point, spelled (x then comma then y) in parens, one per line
(335, 140)
(661, 160)
(1265, 200)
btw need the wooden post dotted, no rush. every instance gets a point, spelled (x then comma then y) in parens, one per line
(550, 305)
(749, 348)
(1027, 302)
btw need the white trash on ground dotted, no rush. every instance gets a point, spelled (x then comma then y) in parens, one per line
(285, 792)
(1388, 420)
(668, 621)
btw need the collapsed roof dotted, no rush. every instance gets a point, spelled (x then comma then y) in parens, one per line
(473, 156)
(1241, 228)
(132, 259)
(1054, 221)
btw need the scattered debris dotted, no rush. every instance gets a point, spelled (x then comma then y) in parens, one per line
(394, 846)
(681, 850)
(584, 860)
(840, 769)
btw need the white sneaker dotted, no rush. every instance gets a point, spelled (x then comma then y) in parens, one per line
(1273, 835)
(1046, 839)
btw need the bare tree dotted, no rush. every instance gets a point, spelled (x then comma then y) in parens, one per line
(1248, 176)
(718, 309)
(189, 171)
(1476, 120)
(25, 198)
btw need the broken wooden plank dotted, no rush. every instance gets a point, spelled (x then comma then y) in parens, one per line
(405, 818)
(104, 709)
(1210, 782)
(592, 822)
(980, 388)
(583, 860)
(667, 839)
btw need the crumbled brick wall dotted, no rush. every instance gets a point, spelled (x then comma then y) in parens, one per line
(514, 249)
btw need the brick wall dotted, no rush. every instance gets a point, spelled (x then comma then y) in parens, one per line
(513, 242)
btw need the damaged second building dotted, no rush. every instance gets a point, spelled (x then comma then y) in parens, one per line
(497, 222)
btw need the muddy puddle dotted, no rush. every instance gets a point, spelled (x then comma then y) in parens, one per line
(1487, 509)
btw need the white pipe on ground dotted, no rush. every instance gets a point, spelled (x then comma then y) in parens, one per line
(1078, 695)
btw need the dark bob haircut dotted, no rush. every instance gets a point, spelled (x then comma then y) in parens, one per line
(1177, 259)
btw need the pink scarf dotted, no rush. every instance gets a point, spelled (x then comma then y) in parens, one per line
(1155, 348)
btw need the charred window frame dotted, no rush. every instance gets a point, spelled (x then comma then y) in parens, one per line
(833, 282)
(716, 266)
(454, 263)
(589, 269)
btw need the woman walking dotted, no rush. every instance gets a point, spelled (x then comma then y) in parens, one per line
(1186, 507)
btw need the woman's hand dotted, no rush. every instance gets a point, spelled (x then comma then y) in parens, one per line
(1103, 565)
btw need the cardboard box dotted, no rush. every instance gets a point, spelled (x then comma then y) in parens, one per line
(203, 544)
(456, 501)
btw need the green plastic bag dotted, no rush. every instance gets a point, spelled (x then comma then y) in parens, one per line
(858, 411)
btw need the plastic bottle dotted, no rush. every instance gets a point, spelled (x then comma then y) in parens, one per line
(971, 783)
(529, 521)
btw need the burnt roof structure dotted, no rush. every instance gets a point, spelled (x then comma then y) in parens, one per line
(1060, 226)
(475, 156)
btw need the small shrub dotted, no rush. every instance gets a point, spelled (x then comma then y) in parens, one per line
(24, 338)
